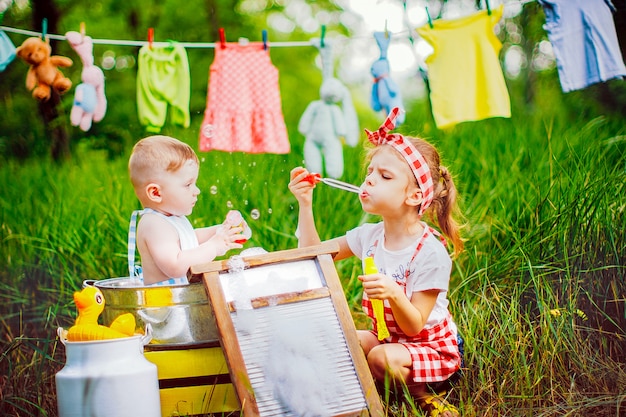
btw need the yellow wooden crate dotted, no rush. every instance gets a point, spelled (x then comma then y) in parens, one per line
(193, 380)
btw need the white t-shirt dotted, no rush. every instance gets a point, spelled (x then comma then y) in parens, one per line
(429, 270)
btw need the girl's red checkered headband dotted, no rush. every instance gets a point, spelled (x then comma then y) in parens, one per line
(413, 157)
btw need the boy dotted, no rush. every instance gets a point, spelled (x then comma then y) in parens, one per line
(163, 171)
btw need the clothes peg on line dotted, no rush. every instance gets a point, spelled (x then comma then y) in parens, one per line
(222, 38)
(82, 29)
(323, 35)
(488, 7)
(264, 37)
(44, 28)
(150, 37)
(430, 21)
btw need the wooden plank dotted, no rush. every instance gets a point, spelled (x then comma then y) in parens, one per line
(265, 259)
(290, 297)
(349, 330)
(230, 345)
(337, 306)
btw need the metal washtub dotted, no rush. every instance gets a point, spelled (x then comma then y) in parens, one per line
(178, 314)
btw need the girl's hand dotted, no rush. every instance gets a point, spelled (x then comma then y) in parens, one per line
(301, 187)
(379, 286)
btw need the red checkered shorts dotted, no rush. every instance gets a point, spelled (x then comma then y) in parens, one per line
(434, 351)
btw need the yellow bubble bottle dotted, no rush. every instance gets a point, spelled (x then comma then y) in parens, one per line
(377, 305)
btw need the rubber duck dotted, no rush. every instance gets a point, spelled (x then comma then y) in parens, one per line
(90, 304)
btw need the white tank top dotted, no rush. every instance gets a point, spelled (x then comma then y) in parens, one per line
(186, 235)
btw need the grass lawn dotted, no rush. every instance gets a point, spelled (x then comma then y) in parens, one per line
(539, 295)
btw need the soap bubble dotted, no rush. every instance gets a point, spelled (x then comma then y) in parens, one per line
(255, 214)
(229, 204)
(269, 210)
(214, 189)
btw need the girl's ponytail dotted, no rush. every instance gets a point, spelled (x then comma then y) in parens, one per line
(446, 209)
(444, 205)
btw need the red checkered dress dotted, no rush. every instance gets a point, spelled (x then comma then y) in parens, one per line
(434, 351)
(244, 110)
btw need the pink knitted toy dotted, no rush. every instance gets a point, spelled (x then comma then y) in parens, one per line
(90, 103)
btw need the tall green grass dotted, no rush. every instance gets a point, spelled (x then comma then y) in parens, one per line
(539, 295)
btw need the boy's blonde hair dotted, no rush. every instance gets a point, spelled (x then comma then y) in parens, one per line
(155, 155)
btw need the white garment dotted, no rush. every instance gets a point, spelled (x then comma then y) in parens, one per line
(429, 270)
(186, 235)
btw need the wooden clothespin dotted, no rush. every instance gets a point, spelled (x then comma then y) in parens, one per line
(386, 31)
(222, 38)
(150, 37)
(82, 29)
(264, 37)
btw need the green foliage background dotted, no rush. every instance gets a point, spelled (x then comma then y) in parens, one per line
(539, 295)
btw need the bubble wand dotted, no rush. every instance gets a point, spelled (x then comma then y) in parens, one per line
(377, 305)
(314, 178)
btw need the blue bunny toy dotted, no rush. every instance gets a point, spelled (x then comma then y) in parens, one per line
(385, 92)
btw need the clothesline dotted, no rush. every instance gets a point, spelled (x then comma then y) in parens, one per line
(127, 42)
(206, 45)
(200, 45)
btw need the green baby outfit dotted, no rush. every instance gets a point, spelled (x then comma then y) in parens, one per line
(163, 79)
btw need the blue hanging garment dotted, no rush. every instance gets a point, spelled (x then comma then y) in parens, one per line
(7, 50)
(584, 40)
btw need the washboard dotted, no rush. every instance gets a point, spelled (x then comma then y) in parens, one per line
(288, 336)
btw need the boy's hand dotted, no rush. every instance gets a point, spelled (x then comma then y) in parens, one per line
(226, 238)
(235, 219)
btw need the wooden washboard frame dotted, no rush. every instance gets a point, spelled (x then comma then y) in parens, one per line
(330, 292)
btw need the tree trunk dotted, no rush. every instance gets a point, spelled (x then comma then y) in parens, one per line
(50, 110)
(214, 24)
(529, 42)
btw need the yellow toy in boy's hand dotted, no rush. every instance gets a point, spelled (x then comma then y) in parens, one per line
(90, 303)
(377, 305)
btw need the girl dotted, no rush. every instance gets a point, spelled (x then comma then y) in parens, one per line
(404, 180)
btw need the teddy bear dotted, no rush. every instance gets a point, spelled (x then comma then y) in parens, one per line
(322, 125)
(90, 102)
(43, 73)
(325, 121)
(385, 92)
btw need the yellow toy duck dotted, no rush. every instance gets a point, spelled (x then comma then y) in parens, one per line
(90, 303)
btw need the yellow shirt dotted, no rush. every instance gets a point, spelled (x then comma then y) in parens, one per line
(466, 80)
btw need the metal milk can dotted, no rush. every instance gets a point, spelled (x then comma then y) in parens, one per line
(107, 378)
